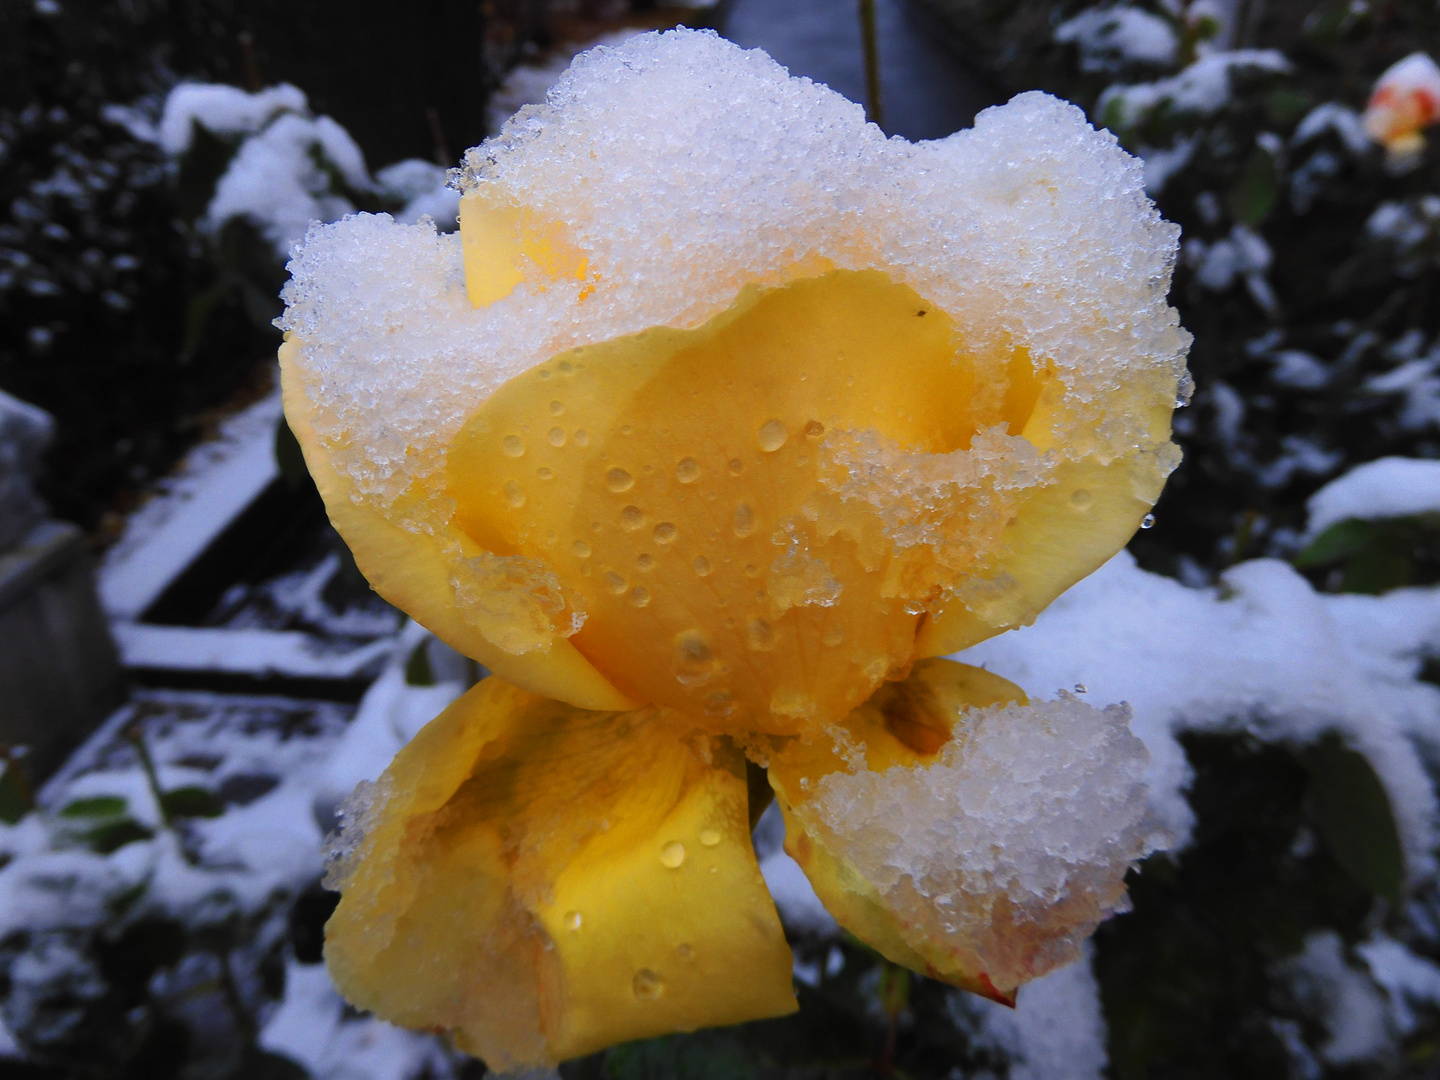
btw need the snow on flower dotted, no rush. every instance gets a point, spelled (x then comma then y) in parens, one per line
(1405, 101)
(721, 420)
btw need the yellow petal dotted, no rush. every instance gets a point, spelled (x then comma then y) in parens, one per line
(905, 724)
(544, 881)
(415, 571)
(507, 245)
(1059, 533)
(707, 496)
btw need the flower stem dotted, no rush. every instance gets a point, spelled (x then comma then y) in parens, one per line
(872, 62)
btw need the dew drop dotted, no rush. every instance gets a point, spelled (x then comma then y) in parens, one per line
(694, 664)
(701, 565)
(685, 951)
(556, 436)
(556, 408)
(646, 985)
(687, 471)
(581, 548)
(626, 429)
(1148, 521)
(645, 560)
(582, 437)
(833, 636)
(672, 855)
(744, 520)
(709, 837)
(751, 570)
(513, 495)
(544, 473)
(1081, 499)
(572, 920)
(720, 705)
(512, 446)
(664, 533)
(759, 635)
(618, 480)
(814, 429)
(640, 596)
(772, 435)
(735, 465)
(614, 582)
(632, 517)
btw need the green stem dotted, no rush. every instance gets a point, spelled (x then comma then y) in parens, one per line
(152, 778)
(872, 62)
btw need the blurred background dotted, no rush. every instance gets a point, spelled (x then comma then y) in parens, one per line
(193, 674)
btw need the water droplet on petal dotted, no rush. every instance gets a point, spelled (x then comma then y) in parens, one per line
(694, 664)
(556, 436)
(618, 480)
(709, 837)
(772, 435)
(736, 466)
(572, 920)
(1148, 521)
(640, 596)
(814, 429)
(672, 855)
(685, 951)
(582, 437)
(614, 582)
(581, 548)
(701, 565)
(1081, 499)
(833, 636)
(632, 517)
(760, 635)
(512, 446)
(645, 560)
(744, 520)
(688, 471)
(647, 986)
(664, 532)
(513, 495)
(556, 408)
(544, 473)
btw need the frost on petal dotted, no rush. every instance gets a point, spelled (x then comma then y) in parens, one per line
(1005, 852)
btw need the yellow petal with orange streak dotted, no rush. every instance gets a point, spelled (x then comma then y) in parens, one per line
(414, 572)
(905, 724)
(675, 481)
(544, 881)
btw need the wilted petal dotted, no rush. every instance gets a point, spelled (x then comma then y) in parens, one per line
(544, 881)
(964, 832)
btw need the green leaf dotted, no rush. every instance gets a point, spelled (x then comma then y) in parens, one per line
(417, 667)
(1352, 814)
(704, 1055)
(97, 806)
(16, 796)
(191, 802)
(1253, 194)
(1339, 541)
(115, 835)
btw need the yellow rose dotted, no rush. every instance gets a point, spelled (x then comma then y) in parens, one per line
(721, 415)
